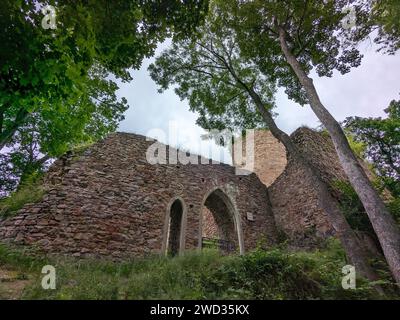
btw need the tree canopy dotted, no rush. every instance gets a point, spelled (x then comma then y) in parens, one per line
(385, 17)
(313, 33)
(210, 72)
(56, 83)
(48, 71)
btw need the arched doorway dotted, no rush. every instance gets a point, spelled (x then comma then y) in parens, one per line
(220, 224)
(175, 225)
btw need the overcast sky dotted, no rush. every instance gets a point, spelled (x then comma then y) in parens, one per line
(365, 91)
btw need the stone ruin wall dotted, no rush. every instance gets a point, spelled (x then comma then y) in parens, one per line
(296, 209)
(294, 197)
(210, 229)
(110, 202)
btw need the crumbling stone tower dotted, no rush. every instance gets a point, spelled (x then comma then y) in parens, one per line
(292, 194)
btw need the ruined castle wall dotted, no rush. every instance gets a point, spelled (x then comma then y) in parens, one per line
(318, 148)
(296, 208)
(291, 192)
(110, 202)
(294, 197)
(210, 228)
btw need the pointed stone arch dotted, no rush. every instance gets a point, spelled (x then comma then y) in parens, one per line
(174, 232)
(226, 216)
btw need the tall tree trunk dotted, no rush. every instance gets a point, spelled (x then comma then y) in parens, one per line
(383, 223)
(354, 250)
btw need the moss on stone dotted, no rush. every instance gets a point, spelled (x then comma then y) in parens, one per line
(30, 191)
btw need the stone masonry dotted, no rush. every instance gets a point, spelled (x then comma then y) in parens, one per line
(109, 201)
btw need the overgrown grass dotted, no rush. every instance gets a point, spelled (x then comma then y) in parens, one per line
(273, 274)
(30, 191)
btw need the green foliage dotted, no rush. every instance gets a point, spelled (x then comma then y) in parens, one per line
(394, 208)
(22, 159)
(281, 274)
(386, 15)
(352, 207)
(30, 191)
(21, 260)
(381, 138)
(272, 274)
(61, 74)
(313, 32)
(55, 84)
(358, 147)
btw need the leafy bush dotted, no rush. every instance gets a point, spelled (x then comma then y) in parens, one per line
(280, 274)
(352, 207)
(394, 208)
